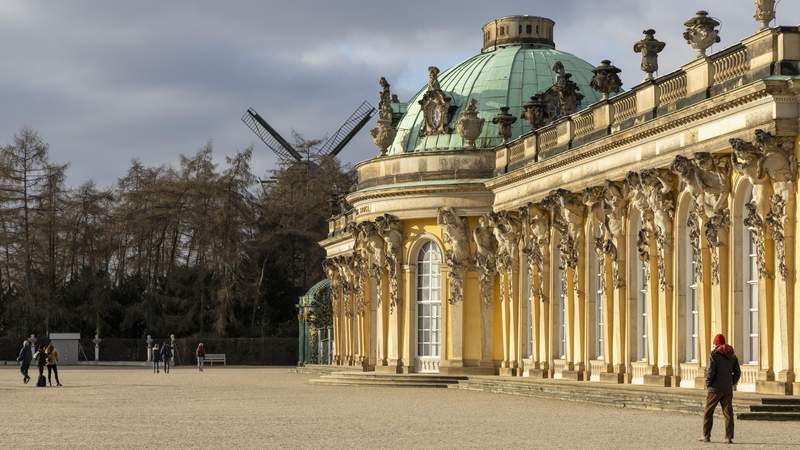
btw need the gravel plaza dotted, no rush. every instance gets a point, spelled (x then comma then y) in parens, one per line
(274, 408)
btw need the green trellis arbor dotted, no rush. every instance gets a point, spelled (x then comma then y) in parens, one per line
(314, 325)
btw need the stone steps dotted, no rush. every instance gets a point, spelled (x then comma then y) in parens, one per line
(379, 383)
(685, 401)
(774, 409)
(387, 380)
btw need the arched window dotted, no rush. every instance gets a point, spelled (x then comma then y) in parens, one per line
(429, 302)
(750, 290)
(528, 28)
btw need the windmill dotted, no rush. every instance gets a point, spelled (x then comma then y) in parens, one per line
(287, 154)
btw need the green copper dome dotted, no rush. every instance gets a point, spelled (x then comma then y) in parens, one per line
(502, 76)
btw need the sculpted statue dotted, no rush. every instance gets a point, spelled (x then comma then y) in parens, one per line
(383, 134)
(486, 249)
(767, 162)
(643, 249)
(390, 230)
(454, 230)
(616, 194)
(651, 191)
(507, 231)
(569, 96)
(539, 221)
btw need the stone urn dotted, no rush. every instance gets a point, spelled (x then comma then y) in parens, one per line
(383, 135)
(504, 120)
(536, 111)
(606, 79)
(765, 12)
(701, 32)
(649, 47)
(469, 125)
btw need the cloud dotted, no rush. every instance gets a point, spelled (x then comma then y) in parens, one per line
(105, 82)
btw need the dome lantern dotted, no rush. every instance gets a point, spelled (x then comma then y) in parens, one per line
(515, 30)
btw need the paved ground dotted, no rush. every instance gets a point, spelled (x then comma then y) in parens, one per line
(269, 408)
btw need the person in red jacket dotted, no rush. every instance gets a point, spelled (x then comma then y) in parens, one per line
(200, 354)
(722, 375)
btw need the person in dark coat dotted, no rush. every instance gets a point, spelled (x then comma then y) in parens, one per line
(156, 357)
(24, 358)
(722, 375)
(41, 360)
(166, 355)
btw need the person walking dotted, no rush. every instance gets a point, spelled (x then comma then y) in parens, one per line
(156, 357)
(722, 375)
(52, 364)
(41, 360)
(24, 358)
(166, 355)
(200, 354)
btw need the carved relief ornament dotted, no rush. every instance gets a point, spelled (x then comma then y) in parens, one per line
(437, 109)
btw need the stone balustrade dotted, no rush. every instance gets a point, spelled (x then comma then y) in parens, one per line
(756, 57)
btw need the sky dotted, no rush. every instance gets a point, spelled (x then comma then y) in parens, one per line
(106, 81)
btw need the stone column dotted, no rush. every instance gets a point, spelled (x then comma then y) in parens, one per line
(782, 217)
(407, 323)
(538, 259)
(485, 261)
(382, 322)
(504, 321)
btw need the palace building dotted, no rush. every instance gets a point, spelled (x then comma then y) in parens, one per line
(527, 217)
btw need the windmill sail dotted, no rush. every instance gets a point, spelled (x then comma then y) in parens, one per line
(270, 137)
(349, 128)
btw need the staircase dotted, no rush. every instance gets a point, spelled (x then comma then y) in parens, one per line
(387, 380)
(784, 409)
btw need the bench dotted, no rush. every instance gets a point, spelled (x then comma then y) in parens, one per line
(211, 358)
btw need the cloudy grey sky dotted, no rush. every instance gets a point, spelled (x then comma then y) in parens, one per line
(107, 81)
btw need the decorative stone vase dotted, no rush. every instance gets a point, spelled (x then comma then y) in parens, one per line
(383, 135)
(765, 12)
(649, 47)
(536, 111)
(469, 125)
(606, 79)
(504, 120)
(701, 33)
